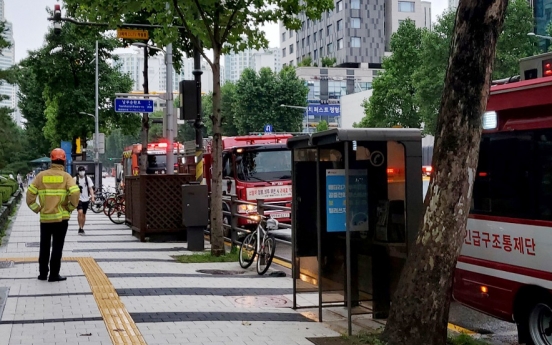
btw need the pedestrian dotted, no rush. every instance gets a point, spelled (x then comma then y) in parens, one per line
(59, 196)
(20, 181)
(86, 187)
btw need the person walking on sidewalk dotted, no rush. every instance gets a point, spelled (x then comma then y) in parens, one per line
(86, 187)
(58, 196)
(20, 181)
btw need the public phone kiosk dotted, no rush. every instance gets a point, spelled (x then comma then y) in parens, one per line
(90, 168)
(357, 203)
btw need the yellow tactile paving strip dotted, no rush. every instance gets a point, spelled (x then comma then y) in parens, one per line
(119, 323)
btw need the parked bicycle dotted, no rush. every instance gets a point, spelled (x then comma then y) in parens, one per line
(117, 213)
(261, 244)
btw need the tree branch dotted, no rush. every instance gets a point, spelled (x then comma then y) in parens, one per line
(194, 39)
(205, 22)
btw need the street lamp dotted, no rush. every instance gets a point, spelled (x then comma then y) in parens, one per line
(169, 99)
(298, 107)
(539, 36)
(96, 147)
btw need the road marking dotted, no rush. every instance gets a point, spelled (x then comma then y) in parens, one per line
(459, 329)
(120, 326)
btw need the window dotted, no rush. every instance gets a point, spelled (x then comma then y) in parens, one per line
(315, 54)
(355, 42)
(284, 52)
(314, 37)
(339, 44)
(291, 48)
(329, 48)
(339, 6)
(263, 165)
(303, 43)
(329, 30)
(355, 4)
(400, 22)
(283, 36)
(321, 51)
(339, 25)
(290, 34)
(406, 6)
(308, 40)
(355, 23)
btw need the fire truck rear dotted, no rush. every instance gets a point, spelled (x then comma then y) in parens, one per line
(255, 167)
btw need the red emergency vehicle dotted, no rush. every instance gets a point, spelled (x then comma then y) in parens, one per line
(505, 266)
(157, 158)
(255, 167)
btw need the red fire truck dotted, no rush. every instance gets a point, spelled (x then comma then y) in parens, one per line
(157, 158)
(505, 266)
(255, 167)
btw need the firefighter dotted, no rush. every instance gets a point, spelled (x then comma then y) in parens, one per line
(58, 196)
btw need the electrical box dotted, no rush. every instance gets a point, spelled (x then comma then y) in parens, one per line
(188, 100)
(195, 205)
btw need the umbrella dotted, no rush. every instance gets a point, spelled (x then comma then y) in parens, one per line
(41, 160)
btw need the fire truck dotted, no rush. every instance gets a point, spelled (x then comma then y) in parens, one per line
(254, 167)
(156, 161)
(505, 266)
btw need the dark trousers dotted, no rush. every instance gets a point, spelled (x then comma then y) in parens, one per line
(57, 231)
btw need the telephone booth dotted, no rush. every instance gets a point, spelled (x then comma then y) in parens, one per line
(357, 203)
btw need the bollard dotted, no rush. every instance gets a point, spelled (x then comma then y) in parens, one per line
(233, 220)
(260, 207)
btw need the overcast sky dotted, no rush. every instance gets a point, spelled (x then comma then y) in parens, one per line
(30, 23)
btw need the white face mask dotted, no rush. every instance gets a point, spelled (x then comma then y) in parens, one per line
(81, 173)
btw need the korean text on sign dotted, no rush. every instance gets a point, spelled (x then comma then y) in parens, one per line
(503, 242)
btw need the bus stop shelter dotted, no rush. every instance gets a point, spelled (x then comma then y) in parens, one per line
(357, 203)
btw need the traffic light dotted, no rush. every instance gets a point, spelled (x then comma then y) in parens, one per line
(57, 19)
(547, 68)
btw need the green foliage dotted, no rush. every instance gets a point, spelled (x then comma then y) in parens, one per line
(305, 62)
(322, 126)
(258, 100)
(228, 91)
(328, 61)
(464, 339)
(232, 256)
(57, 83)
(408, 92)
(393, 100)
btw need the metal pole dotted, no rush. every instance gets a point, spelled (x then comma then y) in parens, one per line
(97, 130)
(198, 125)
(169, 115)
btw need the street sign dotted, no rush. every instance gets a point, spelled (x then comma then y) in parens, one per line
(268, 128)
(123, 105)
(101, 142)
(133, 34)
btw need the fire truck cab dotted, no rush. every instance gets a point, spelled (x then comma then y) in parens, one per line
(255, 167)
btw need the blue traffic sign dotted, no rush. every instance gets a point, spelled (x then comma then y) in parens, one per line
(123, 105)
(268, 129)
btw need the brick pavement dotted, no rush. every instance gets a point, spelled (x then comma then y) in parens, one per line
(169, 302)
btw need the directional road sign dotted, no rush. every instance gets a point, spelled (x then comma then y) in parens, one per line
(268, 128)
(124, 105)
(133, 34)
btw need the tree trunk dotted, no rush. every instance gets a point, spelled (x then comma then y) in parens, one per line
(145, 120)
(420, 307)
(217, 240)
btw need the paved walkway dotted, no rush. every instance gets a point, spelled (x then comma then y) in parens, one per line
(122, 291)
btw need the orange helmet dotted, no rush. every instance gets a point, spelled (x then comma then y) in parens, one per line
(57, 155)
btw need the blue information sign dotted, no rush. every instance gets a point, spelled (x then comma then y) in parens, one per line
(336, 209)
(124, 105)
(324, 109)
(66, 146)
(268, 128)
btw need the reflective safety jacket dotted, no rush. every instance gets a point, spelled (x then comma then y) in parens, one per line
(57, 192)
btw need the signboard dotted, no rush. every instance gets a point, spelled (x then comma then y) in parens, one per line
(268, 128)
(324, 109)
(133, 34)
(336, 208)
(272, 192)
(123, 105)
(190, 148)
(66, 146)
(101, 142)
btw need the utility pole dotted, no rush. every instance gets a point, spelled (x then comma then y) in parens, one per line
(145, 119)
(169, 115)
(97, 129)
(198, 124)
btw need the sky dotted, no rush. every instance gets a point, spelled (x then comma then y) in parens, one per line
(30, 23)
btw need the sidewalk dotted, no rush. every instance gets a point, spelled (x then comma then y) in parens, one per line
(122, 291)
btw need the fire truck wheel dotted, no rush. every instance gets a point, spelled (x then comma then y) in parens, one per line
(539, 323)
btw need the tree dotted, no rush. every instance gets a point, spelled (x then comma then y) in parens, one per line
(305, 62)
(259, 96)
(328, 61)
(228, 124)
(58, 81)
(420, 308)
(322, 126)
(393, 99)
(218, 25)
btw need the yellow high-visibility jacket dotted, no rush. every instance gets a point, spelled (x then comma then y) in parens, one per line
(57, 192)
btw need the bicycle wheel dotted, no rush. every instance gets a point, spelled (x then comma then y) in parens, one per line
(266, 254)
(108, 205)
(117, 213)
(96, 206)
(248, 250)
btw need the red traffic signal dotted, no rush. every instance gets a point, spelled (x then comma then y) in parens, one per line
(57, 19)
(547, 68)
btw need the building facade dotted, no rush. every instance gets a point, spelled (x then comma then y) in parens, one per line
(7, 60)
(355, 32)
(236, 63)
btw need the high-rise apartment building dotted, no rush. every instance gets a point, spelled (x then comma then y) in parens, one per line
(7, 60)
(236, 63)
(355, 32)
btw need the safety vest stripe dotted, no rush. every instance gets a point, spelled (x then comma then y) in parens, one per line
(32, 188)
(52, 192)
(51, 216)
(73, 189)
(52, 179)
(34, 206)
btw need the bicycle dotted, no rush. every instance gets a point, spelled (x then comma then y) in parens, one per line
(111, 200)
(101, 196)
(117, 213)
(264, 249)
